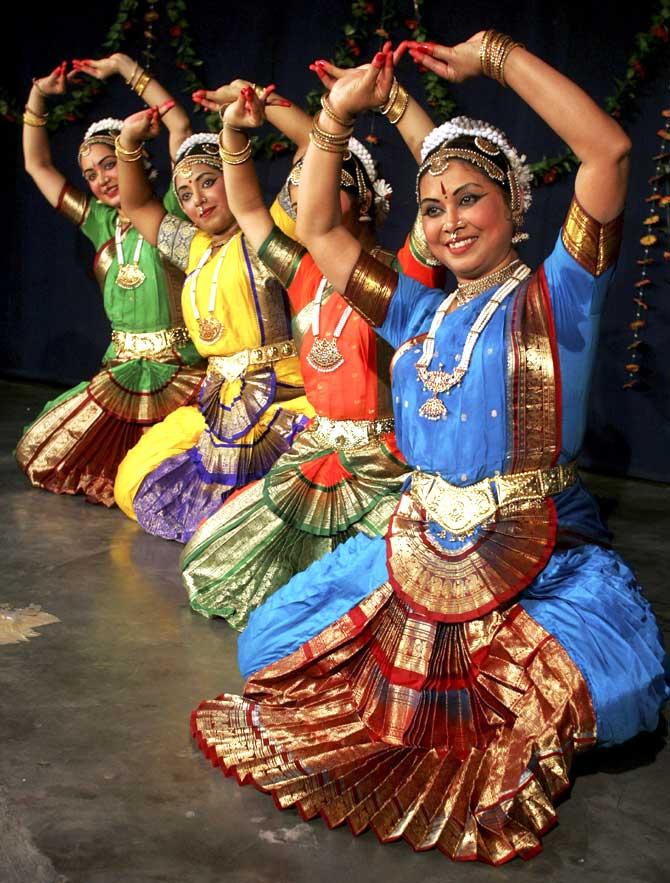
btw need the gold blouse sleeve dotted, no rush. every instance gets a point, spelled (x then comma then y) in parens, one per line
(370, 288)
(175, 236)
(281, 255)
(593, 245)
(73, 204)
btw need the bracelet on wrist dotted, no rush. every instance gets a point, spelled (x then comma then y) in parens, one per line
(40, 90)
(396, 105)
(126, 155)
(234, 157)
(328, 110)
(33, 119)
(493, 53)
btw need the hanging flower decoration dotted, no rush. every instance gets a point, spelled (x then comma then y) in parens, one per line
(655, 242)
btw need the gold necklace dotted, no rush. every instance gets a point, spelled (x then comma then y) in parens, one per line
(441, 381)
(467, 291)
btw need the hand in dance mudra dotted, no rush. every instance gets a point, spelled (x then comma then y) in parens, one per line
(247, 111)
(145, 124)
(354, 90)
(57, 81)
(453, 63)
(217, 99)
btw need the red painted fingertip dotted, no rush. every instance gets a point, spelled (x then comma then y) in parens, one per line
(427, 47)
(378, 60)
(284, 103)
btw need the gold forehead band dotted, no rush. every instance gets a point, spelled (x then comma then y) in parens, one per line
(346, 180)
(85, 146)
(438, 162)
(185, 166)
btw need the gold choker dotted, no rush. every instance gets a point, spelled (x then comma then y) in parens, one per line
(467, 291)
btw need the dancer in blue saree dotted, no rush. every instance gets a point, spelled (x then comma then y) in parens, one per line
(460, 661)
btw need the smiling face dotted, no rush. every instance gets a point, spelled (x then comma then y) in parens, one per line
(464, 200)
(98, 166)
(202, 195)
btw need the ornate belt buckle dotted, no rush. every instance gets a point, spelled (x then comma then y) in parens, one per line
(459, 510)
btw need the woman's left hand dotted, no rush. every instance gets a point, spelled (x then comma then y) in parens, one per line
(452, 63)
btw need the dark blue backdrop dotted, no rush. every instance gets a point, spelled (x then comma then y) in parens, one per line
(53, 325)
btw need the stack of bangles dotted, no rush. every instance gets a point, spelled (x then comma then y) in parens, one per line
(126, 155)
(138, 80)
(234, 157)
(32, 118)
(493, 52)
(327, 141)
(396, 104)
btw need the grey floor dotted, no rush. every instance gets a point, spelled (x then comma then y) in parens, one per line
(99, 779)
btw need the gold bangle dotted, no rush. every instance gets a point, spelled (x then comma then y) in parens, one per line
(142, 83)
(126, 155)
(396, 105)
(328, 110)
(341, 138)
(493, 53)
(234, 157)
(324, 141)
(30, 119)
(41, 116)
(132, 75)
(39, 88)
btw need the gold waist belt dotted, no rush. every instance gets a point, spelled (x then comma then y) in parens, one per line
(348, 434)
(459, 510)
(148, 344)
(232, 367)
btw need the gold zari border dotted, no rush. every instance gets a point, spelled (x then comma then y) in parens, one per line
(593, 245)
(370, 288)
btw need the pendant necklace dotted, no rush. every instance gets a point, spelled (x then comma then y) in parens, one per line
(324, 354)
(128, 275)
(441, 381)
(210, 329)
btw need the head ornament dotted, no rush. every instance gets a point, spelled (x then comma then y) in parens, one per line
(486, 147)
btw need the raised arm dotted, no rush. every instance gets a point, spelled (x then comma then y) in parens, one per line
(319, 226)
(400, 110)
(147, 88)
(244, 193)
(599, 143)
(36, 148)
(137, 198)
(285, 116)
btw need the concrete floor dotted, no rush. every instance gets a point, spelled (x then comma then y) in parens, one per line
(99, 779)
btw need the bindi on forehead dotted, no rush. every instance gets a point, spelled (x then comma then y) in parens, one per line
(443, 188)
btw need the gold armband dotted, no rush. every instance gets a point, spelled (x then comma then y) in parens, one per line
(370, 288)
(593, 245)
